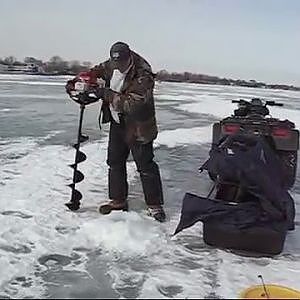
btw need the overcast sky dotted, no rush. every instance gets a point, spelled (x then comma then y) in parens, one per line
(249, 39)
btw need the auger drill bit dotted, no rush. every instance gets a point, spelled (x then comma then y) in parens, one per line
(76, 196)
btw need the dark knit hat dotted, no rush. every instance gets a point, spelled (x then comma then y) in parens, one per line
(119, 51)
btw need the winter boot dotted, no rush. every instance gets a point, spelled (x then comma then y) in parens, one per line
(106, 208)
(157, 212)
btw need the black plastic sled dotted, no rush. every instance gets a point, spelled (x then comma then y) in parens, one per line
(233, 225)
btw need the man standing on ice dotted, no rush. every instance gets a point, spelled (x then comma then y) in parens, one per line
(128, 94)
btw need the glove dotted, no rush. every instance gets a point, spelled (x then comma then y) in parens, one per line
(108, 95)
(99, 92)
(70, 86)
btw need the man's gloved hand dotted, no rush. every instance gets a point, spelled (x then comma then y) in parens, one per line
(99, 92)
(70, 86)
(109, 95)
(106, 94)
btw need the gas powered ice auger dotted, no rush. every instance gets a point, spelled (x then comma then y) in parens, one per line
(85, 92)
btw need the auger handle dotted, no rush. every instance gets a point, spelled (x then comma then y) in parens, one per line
(241, 101)
(81, 98)
(273, 103)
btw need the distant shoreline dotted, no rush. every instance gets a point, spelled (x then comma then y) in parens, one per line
(57, 66)
(214, 80)
(271, 87)
(163, 76)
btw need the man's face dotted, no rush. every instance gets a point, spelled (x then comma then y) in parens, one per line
(121, 64)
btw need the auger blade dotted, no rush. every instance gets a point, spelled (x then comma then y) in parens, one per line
(71, 185)
(76, 196)
(78, 177)
(83, 138)
(73, 205)
(80, 157)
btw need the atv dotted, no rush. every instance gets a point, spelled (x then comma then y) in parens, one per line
(252, 118)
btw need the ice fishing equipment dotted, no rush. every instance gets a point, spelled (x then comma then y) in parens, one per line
(269, 291)
(85, 92)
(253, 163)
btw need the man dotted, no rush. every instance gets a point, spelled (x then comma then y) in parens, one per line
(128, 105)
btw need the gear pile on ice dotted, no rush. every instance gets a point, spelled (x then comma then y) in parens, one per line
(252, 209)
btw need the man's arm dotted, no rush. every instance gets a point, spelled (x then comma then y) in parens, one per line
(139, 91)
(100, 71)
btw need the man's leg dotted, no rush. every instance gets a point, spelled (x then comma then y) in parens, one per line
(118, 152)
(150, 177)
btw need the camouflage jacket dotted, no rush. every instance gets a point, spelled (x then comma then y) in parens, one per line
(135, 101)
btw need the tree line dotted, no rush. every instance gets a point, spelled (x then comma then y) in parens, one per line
(58, 66)
(207, 79)
(55, 65)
